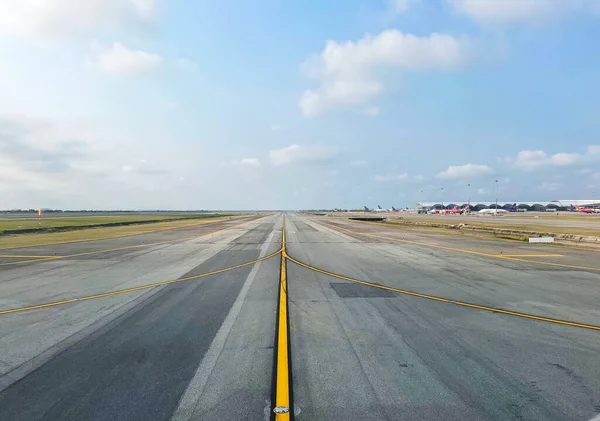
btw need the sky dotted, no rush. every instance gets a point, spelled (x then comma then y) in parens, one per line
(297, 104)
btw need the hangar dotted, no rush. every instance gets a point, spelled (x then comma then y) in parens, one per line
(527, 206)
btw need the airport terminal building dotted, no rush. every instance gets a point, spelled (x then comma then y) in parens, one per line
(559, 205)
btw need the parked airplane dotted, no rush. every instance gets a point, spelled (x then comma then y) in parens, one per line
(379, 209)
(495, 212)
(513, 208)
(585, 210)
(454, 210)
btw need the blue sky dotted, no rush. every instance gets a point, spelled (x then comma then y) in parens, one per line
(299, 104)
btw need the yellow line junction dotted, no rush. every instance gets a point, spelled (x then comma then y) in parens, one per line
(282, 392)
(283, 282)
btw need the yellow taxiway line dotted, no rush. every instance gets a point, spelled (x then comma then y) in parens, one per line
(139, 288)
(446, 300)
(477, 253)
(89, 253)
(282, 369)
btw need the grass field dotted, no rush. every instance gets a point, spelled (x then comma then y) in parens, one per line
(26, 240)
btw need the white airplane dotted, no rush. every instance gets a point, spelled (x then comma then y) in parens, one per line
(379, 209)
(495, 212)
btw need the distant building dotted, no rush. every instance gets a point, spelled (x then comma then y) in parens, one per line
(529, 206)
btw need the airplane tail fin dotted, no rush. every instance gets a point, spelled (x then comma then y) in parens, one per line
(394, 209)
(378, 207)
(367, 209)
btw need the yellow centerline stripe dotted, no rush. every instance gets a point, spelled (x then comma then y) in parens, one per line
(282, 380)
(139, 288)
(89, 253)
(446, 300)
(477, 253)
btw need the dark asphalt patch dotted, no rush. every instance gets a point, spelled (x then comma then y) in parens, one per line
(304, 227)
(348, 290)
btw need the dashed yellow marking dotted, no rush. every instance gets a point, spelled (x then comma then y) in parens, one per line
(139, 288)
(446, 300)
(477, 253)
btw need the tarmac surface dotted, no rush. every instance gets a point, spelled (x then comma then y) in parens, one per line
(203, 348)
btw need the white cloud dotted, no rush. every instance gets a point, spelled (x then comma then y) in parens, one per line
(43, 19)
(121, 61)
(530, 160)
(465, 171)
(371, 111)
(40, 161)
(186, 64)
(593, 150)
(276, 127)
(244, 162)
(519, 11)
(401, 6)
(550, 186)
(483, 191)
(347, 70)
(297, 154)
(387, 178)
(585, 171)
(596, 175)
(333, 173)
(252, 162)
(357, 164)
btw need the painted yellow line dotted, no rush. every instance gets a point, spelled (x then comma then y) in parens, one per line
(282, 370)
(139, 288)
(20, 256)
(446, 300)
(477, 253)
(89, 253)
(530, 255)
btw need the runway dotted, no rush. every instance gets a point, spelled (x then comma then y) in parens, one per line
(190, 328)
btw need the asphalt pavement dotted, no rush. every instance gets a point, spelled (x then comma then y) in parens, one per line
(202, 348)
